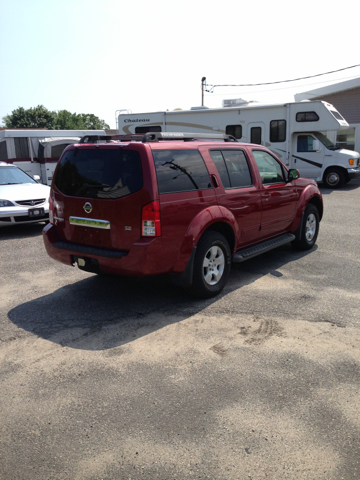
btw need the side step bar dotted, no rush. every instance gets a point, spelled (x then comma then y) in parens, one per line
(262, 247)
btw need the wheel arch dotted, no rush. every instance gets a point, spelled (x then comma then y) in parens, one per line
(210, 219)
(318, 204)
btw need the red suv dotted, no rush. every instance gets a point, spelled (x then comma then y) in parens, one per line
(185, 204)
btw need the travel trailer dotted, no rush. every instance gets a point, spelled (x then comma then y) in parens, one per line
(295, 132)
(36, 152)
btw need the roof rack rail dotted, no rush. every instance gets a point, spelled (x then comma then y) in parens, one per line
(151, 137)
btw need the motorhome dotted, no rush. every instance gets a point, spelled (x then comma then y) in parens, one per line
(295, 132)
(36, 152)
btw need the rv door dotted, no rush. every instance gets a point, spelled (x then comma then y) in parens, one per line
(308, 155)
(256, 133)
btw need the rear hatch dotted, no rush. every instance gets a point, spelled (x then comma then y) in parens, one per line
(99, 191)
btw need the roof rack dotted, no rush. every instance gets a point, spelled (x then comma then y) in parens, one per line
(158, 136)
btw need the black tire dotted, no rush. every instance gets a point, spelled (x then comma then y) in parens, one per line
(309, 229)
(211, 266)
(334, 178)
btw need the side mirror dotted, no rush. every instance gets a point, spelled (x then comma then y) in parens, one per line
(36, 178)
(316, 146)
(293, 174)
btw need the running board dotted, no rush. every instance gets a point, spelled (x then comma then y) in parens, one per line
(263, 247)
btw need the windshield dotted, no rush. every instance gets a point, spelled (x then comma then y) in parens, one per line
(13, 176)
(325, 141)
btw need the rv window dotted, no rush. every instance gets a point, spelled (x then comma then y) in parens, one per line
(255, 135)
(154, 128)
(21, 147)
(307, 117)
(336, 115)
(278, 131)
(3, 150)
(57, 150)
(181, 171)
(232, 167)
(305, 143)
(234, 130)
(270, 169)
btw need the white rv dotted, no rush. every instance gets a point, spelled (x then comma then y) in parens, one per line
(36, 152)
(295, 132)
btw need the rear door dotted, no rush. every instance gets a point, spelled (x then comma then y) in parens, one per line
(185, 189)
(237, 191)
(99, 195)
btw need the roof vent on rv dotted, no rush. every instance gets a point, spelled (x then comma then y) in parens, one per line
(234, 102)
(199, 108)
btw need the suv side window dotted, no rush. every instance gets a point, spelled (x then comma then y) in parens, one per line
(271, 171)
(181, 171)
(233, 168)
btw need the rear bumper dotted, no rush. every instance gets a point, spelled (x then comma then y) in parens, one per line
(353, 173)
(144, 258)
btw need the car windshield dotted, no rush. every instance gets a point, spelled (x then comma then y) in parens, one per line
(13, 176)
(325, 141)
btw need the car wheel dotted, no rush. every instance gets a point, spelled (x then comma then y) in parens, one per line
(309, 228)
(334, 178)
(211, 266)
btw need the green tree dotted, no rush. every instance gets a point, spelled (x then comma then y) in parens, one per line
(37, 117)
(41, 117)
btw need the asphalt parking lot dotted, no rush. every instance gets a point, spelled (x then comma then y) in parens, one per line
(111, 378)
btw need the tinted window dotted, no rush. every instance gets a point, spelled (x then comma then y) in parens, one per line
(277, 131)
(154, 128)
(255, 135)
(21, 147)
(232, 167)
(307, 117)
(305, 143)
(219, 161)
(99, 173)
(180, 171)
(3, 151)
(234, 130)
(271, 171)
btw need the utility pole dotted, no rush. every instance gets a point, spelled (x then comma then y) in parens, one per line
(203, 82)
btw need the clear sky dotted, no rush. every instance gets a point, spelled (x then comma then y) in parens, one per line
(99, 56)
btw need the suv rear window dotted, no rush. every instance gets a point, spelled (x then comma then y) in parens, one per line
(99, 173)
(181, 171)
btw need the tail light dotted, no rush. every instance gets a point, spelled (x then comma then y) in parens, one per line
(51, 210)
(150, 220)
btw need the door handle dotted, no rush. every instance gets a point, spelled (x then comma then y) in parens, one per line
(214, 181)
(266, 195)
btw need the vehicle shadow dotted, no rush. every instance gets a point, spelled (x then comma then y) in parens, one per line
(21, 231)
(102, 312)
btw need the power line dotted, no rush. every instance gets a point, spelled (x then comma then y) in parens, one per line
(283, 88)
(280, 81)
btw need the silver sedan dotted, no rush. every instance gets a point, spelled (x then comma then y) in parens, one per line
(22, 199)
